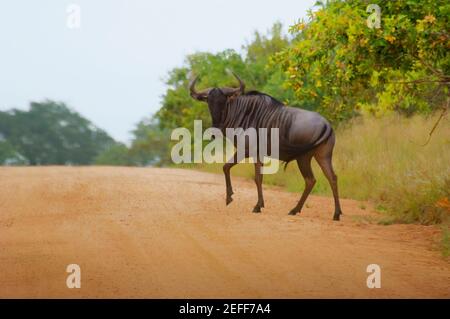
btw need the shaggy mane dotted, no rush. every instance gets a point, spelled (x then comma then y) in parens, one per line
(257, 93)
(257, 110)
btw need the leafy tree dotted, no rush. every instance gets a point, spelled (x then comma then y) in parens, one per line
(50, 133)
(179, 109)
(264, 77)
(150, 147)
(339, 65)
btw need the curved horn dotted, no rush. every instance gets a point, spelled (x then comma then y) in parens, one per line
(194, 93)
(233, 91)
(241, 83)
(202, 95)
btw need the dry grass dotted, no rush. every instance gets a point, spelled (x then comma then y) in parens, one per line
(383, 161)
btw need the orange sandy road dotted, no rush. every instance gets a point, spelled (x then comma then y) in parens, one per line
(166, 233)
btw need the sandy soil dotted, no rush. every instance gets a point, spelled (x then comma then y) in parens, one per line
(166, 233)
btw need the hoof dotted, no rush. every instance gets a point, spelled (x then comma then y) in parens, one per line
(293, 212)
(229, 200)
(337, 215)
(257, 209)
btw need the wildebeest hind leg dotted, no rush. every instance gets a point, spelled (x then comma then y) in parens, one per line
(324, 158)
(304, 164)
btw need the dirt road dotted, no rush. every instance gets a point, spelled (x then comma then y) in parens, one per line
(142, 232)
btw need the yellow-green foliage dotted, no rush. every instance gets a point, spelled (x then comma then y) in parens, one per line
(384, 161)
(339, 65)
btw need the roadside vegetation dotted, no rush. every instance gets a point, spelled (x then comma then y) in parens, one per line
(383, 161)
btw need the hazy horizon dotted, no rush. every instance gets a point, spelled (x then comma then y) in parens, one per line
(111, 68)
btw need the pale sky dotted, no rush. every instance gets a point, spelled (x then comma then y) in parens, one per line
(111, 68)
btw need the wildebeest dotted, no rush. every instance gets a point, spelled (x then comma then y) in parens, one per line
(303, 135)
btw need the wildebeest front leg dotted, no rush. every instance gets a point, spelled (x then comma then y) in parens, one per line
(258, 181)
(226, 170)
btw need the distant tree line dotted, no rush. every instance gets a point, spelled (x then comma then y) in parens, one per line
(49, 133)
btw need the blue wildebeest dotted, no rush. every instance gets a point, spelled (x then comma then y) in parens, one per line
(302, 135)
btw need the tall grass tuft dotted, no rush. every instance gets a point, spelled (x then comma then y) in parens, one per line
(385, 160)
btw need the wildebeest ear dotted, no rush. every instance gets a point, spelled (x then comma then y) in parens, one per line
(231, 92)
(200, 97)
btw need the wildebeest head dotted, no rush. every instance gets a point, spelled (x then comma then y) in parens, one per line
(216, 98)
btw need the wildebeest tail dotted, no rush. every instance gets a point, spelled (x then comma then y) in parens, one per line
(295, 151)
